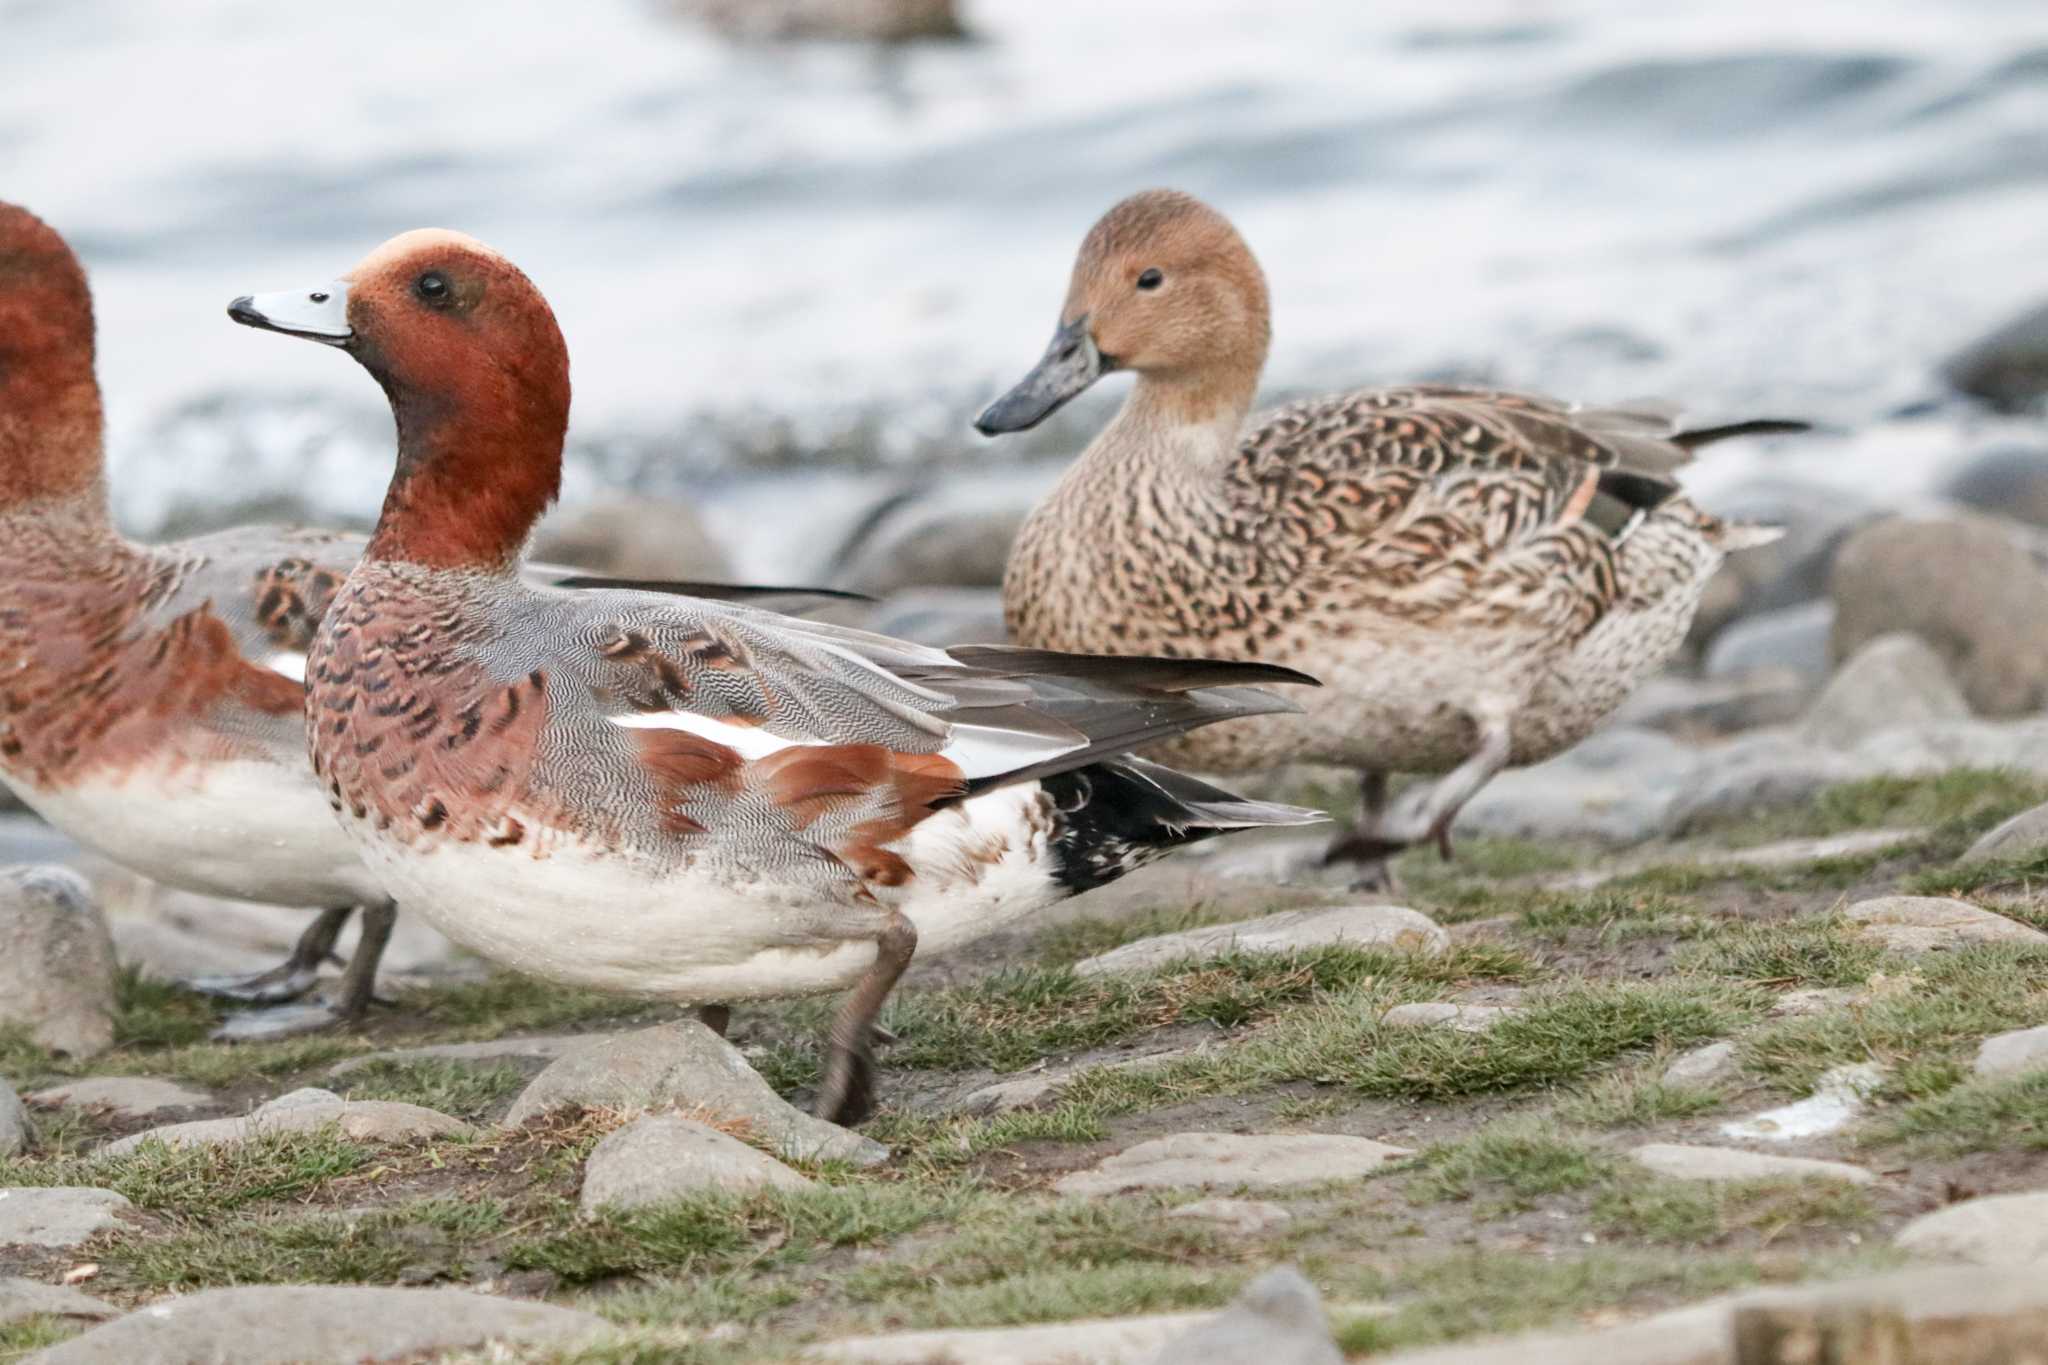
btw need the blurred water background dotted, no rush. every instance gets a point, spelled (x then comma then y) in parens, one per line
(790, 274)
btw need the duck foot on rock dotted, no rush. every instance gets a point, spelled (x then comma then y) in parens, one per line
(292, 979)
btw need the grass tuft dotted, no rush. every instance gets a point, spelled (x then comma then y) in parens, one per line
(1525, 1160)
(1800, 952)
(198, 1181)
(466, 1090)
(2008, 1115)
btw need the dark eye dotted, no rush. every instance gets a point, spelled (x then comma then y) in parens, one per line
(1151, 279)
(432, 288)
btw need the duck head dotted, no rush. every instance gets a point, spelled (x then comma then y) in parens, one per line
(50, 424)
(1163, 287)
(474, 364)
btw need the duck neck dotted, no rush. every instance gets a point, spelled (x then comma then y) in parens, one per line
(1183, 427)
(475, 472)
(51, 441)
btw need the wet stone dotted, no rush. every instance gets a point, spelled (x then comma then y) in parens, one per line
(1999, 1229)
(1924, 924)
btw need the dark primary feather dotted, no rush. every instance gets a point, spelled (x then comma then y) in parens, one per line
(1131, 670)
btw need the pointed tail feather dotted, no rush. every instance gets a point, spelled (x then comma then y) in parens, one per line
(1116, 816)
(1756, 426)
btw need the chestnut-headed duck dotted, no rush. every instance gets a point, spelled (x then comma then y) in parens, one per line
(679, 799)
(151, 703)
(1477, 577)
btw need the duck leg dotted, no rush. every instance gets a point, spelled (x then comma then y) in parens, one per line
(290, 979)
(1364, 844)
(1428, 817)
(352, 998)
(847, 1093)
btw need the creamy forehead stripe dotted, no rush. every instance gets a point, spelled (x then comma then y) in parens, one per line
(421, 239)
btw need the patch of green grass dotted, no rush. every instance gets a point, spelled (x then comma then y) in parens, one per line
(1960, 802)
(1490, 858)
(151, 1013)
(1797, 952)
(2004, 1115)
(1553, 1039)
(466, 1090)
(1308, 1109)
(422, 1239)
(507, 1003)
(1524, 1159)
(25, 1336)
(1633, 1099)
(1960, 879)
(1922, 1030)
(1611, 916)
(198, 1181)
(715, 1231)
(1014, 1018)
(220, 1065)
(1700, 1212)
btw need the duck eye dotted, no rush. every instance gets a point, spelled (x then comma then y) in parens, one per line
(1151, 279)
(432, 288)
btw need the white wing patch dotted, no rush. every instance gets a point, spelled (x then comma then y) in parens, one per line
(978, 750)
(748, 741)
(289, 663)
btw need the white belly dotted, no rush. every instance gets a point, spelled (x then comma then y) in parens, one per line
(573, 912)
(245, 830)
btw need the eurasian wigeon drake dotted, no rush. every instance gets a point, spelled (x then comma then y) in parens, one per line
(150, 697)
(680, 799)
(1477, 577)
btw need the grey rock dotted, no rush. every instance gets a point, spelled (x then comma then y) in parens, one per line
(1952, 1314)
(943, 616)
(21, 1299)
(1793, 639)
(15, 1130)
(1761, 771)
(1681, 1162)
(1232, 1161)
(1444, 1014)
(56, 961)
(1096, 1341)
(164, 952)
(56, 1215)
(1277, 1319)
(323, 1325)
(1837, 1099)
(304, 1111)
(1999, 1229)
(2023, 836)
(1245, 1216)
(1032, 1089)
(1891, 681)
(2008, 367)
(1779, 853)
(1811, 1000)
(1392, 927)
(1702, 1066)
(658, 1158)
(1617, 786)
(2006, 481)
(686, 1064)
(957, 534)
(1922, 924)
(1934, 747)
(1693, 708)
(2017, 1053)
(126, 1096)
(632, 538)
(545, 1047)
(1964, 585)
